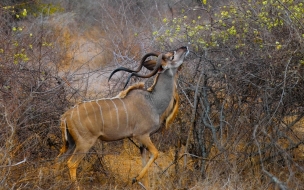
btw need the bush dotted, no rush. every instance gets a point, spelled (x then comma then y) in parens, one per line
(248, 108)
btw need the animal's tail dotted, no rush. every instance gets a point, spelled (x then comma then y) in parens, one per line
(68, 141)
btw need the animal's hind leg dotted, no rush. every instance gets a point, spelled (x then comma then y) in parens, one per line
(60, 157)
(65, 152)
(80, 151)
(144, 157)
(146, 141)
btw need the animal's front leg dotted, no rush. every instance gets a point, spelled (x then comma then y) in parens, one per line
(144, 158)
(146, 141)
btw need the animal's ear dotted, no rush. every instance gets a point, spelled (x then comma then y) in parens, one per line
(150, 64)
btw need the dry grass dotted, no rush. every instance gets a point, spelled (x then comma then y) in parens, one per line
(113, 165)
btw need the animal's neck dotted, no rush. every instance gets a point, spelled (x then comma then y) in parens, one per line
(163, 90)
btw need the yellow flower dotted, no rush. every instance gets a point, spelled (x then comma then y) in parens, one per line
(24, 13)
(279, 47)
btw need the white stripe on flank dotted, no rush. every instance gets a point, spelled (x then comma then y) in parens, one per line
(100, 113)
(79, 116)
(72, 113)
(88, 115)
(126, 111)
(94, 112)
(117, 116)
(109, 111)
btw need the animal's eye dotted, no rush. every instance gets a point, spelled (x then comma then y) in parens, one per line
(173, 55)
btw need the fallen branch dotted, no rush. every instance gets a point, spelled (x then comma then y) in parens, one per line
(24, 160)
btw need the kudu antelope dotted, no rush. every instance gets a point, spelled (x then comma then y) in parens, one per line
(136, 112)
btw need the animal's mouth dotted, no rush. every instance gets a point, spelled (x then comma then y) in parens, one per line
(187, 51)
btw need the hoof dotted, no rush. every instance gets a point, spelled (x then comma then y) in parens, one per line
(134, 180)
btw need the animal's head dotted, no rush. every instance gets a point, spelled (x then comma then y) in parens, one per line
(172, 59)
(165, 61)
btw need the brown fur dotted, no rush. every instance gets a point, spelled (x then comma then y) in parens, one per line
(154, 83)
(124, 93)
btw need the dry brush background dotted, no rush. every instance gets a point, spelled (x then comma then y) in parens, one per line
(240, 124)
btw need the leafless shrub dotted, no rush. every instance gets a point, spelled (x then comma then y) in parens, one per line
(246, 109)
(241, 119)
